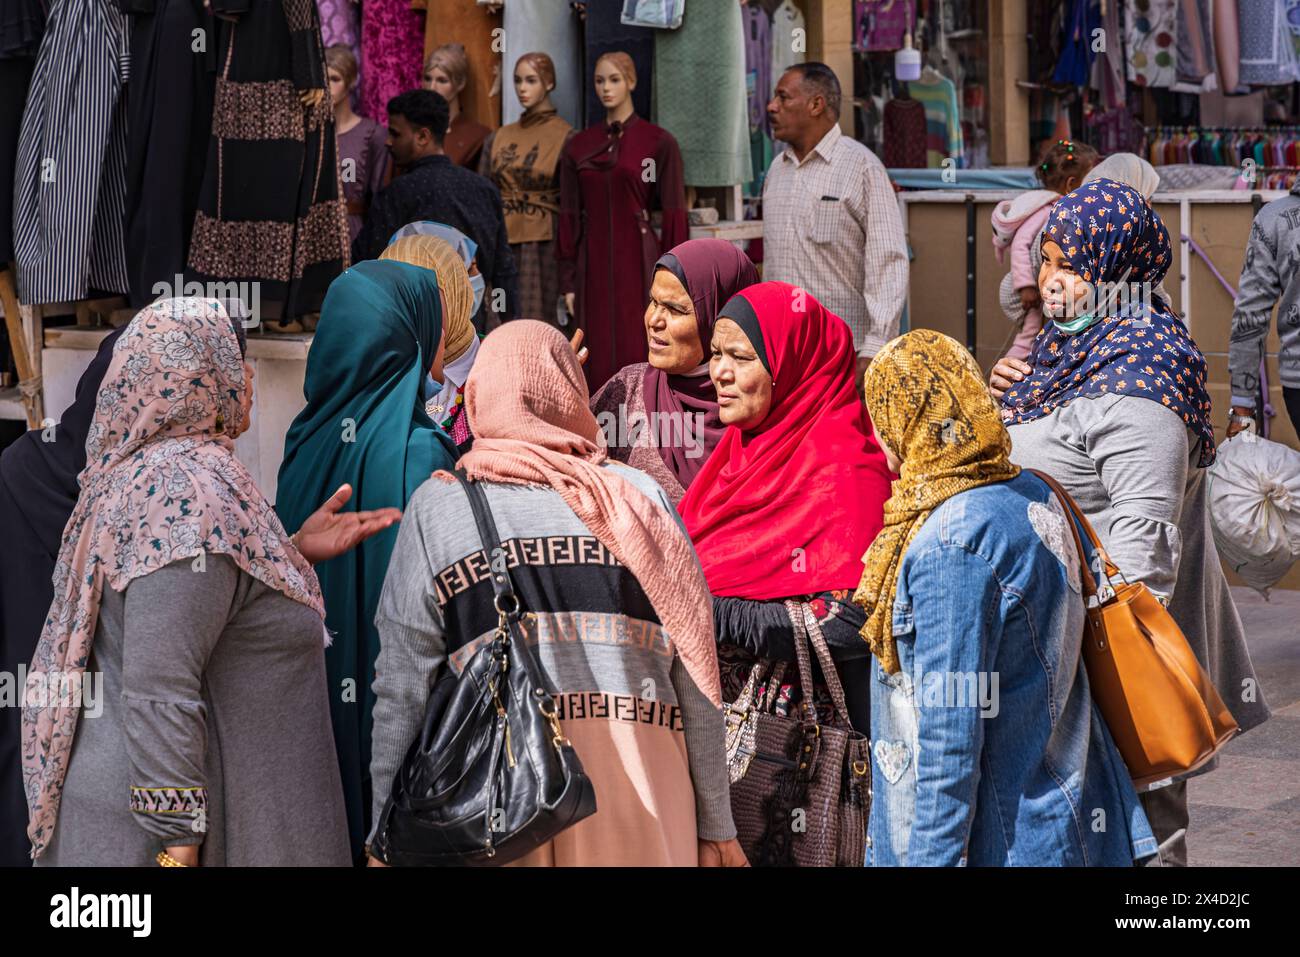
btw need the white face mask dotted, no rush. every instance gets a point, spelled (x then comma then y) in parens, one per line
(478, 284)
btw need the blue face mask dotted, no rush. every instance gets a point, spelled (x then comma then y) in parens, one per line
(431, 387)
(478, 285)
(1077, 324)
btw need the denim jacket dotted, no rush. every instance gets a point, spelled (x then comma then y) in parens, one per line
(986, 747)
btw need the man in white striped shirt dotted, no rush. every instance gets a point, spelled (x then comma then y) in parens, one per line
(830, 219)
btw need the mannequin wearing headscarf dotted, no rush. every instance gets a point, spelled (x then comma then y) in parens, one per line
(379, 333)
(1115, 407)
(786, 508)
(446, 404)
(682, 403)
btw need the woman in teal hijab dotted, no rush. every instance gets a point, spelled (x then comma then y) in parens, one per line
(380, 333)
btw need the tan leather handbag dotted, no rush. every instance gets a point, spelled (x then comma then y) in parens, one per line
(1162, 710)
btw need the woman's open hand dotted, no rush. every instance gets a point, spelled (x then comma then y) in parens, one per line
(329, 532)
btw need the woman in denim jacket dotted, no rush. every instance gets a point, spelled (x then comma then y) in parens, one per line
(986, 747)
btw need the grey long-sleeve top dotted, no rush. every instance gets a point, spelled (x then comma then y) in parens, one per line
(1131, 464)
(1270, 273)
(590, 626)
(212, 727)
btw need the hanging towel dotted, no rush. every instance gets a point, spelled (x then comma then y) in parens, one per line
(1267, 56)
(789, 39)
(706, 53)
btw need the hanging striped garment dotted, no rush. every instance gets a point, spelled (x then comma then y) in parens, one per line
(70, 182)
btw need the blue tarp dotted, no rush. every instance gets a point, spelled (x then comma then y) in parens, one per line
(1002, 177)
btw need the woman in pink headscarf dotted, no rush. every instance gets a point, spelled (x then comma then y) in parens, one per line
(619, 615)
(188, 625)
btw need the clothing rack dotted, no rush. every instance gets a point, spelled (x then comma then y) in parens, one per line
(1272, 148)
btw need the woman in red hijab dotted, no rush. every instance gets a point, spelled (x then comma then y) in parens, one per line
(794, 493)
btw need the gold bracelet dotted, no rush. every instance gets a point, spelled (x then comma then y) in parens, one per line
(166, 860)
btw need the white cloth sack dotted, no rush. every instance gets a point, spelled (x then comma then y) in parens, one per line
(1255, 508)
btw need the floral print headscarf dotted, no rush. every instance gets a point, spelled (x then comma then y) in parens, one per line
(1110, 234)
(161, 484)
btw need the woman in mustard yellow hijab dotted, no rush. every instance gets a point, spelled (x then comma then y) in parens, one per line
(445, 402)
(986, 748)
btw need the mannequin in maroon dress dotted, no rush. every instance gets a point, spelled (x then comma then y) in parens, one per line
(611, 176)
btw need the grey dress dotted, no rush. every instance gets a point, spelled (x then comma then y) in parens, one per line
(214, 729)
(1131, 464)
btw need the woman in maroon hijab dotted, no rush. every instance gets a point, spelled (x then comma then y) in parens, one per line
(661, 416)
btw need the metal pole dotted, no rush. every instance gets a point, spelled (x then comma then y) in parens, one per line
(970, 272)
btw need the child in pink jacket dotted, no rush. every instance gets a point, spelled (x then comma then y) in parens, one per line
(1016, 225)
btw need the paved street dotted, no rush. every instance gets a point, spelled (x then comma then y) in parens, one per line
(1248, 811)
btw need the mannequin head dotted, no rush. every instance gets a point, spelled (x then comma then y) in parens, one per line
(341, 67)
(615, 80)
(417, 124)
(805, 105)
(446, 72)
(534, 79)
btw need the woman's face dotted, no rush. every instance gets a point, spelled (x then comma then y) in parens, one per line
(245, 403)
(744, 387)
(529, 86)
(338, 87)
(1065, 293)
(672, 334)
(435, 370)
(611, 85)
(438, 81)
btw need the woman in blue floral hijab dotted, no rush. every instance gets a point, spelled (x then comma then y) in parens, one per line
(1113, 336)
(1114, 406)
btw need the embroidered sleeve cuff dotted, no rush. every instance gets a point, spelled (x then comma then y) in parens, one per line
(176, 800)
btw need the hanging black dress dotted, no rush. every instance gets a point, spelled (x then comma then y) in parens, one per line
(169, 118)
(271, 208)
(21, 24)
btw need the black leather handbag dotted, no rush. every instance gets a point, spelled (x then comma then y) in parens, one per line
(491, 775)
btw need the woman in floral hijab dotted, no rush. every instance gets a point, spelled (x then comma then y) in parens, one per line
(1115, 407)
(201, 661)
